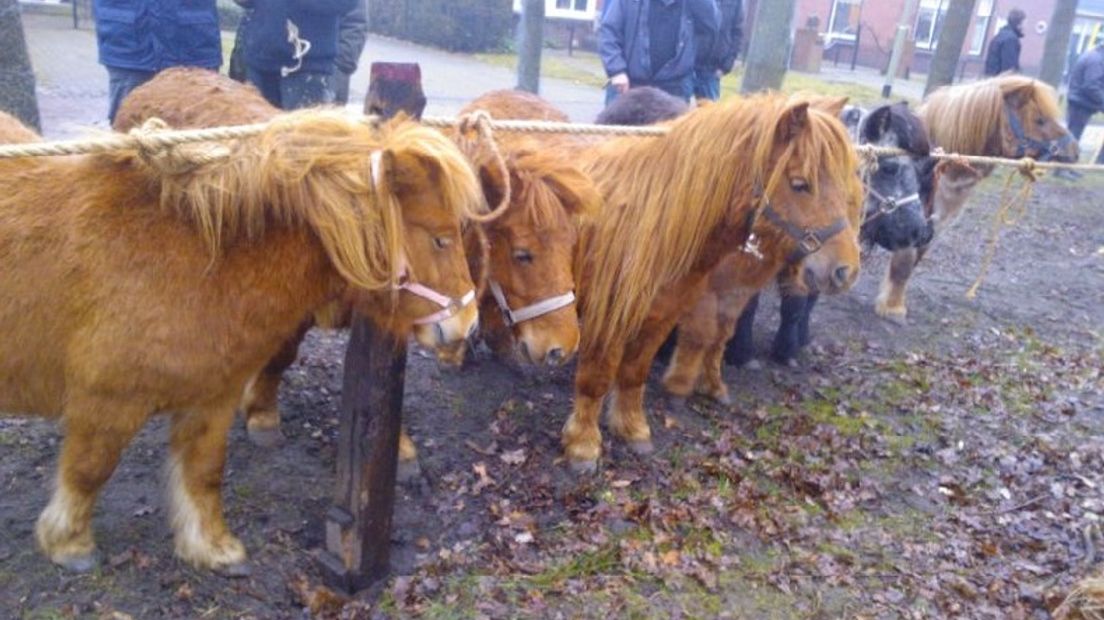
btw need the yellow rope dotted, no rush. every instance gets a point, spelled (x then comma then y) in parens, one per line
(1011, 210)
(480, 123)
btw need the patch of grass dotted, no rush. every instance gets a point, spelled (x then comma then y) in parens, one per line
(795, 82)
(604, 560)
(574, 69)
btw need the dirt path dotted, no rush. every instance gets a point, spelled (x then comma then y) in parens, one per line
(951, 467)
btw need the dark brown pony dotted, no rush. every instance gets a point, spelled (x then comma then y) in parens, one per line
(1006, 116)
(674, 207)
(138, 283)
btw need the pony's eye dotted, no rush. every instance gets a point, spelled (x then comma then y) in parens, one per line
(1040, 121)
(441, 242)
(524, 257)
(799, 185)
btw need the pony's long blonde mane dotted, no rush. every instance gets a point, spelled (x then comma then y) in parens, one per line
(313, 168)
(665, 196)
(536, 199)
(965, 118)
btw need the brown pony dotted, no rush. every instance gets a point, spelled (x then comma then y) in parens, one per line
(1005, 116)
(137, 283)
(674, 207)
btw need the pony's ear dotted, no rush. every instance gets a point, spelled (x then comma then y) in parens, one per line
(576, 192)
(794, 120)
(1017, 96)
(407, 172)
(833, 105)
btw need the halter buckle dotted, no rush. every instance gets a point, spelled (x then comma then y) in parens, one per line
(810, 243)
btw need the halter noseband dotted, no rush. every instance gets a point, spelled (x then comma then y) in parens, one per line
(449, 305)
(1046, 150)
(809, 240)
(532, 311)
(887, 205)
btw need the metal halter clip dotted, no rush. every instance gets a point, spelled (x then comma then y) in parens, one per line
(810, 243)
(751, 246)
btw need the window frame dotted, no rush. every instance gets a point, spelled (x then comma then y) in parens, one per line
(829, 34)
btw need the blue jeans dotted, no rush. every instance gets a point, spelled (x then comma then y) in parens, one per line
(301, 89)
(707, 84)
(119, 84)
(681, 87)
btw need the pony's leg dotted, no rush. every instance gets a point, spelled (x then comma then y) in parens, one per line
(891, 298)
(96, 433)
(582, 440)
(627, 418)
(804, 337)
(697, 329)
(741, 350)
(787, 341)
(409, 469)
(260, 405)
(197, 456)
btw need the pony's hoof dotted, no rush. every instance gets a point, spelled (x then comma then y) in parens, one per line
(721, 398)
(677, 403)
(266, 437)
(791, 363)
(893, 314)
(236, 570)
(642, 448)
(754, 364)
(408, 471)
(79, 563)
(583, 467)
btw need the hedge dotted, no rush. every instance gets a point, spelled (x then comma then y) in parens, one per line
(455, 25)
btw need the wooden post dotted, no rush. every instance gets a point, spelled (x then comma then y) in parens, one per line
(358, 525)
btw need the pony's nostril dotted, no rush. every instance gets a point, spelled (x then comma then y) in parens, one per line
(841, 276)
(554, 357)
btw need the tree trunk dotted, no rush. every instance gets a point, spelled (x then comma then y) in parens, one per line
(770, 43)
(530, 42)
(1056, 48)
(17, 83)
(949, 49)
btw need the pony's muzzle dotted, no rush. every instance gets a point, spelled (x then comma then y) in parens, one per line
(449, 331)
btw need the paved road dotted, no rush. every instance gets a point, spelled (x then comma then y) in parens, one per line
(73, 86)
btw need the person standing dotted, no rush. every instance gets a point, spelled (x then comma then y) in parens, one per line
(1086, 90)
(1004, 49)
(351, 36)
(138, 38)
(290, 48)
(654, 43)
(717, 55)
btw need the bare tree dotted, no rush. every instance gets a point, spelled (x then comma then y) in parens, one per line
(530, 42)
(949, 49)
(17, 82)
(1057, 42)
(767, 51)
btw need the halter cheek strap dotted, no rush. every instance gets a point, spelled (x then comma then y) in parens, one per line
(532, 311)
(449, 305)
(887, 205)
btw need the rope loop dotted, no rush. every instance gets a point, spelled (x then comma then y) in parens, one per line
(158, 148)
(480, 123)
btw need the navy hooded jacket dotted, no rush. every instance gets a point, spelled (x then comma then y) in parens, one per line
(151, 35)
(266, 36)
(625, 46)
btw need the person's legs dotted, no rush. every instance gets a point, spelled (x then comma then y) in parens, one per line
(682, 87)
(707, 85)
(341, 87)
(120, 83)
(268, 82)
(304, 89)
(611, 94)
(1076, 119)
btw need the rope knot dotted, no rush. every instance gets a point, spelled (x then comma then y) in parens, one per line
(168, 154)
(1028, 169)
(479, 122)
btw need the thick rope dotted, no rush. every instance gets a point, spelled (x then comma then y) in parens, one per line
(1011, 210)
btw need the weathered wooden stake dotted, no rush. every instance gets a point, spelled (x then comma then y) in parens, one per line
(358, 525)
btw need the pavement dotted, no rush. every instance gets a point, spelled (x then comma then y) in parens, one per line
(72, 85)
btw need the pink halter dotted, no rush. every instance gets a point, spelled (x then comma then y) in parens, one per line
(449, 305)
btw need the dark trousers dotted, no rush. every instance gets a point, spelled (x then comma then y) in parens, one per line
(707, 84)
(1077, 118)
(119, 84)
(681, 87)
(301, 89)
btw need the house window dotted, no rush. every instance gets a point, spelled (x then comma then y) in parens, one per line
(929, 22)
(843, 21)
(581, 10)
(981, 26)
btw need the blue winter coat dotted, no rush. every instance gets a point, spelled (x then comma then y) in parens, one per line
(266, 36)
(623, 40)
(150, 35)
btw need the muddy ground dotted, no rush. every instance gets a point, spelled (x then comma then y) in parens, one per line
(952, 467)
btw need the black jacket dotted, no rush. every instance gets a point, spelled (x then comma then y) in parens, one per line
(1004, 52)
(351, 35)
(266, 41)
(1086, 87)
(719, 51)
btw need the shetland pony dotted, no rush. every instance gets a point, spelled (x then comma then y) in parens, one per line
(1005, 116)
(894, 219)
(674, 207)
(136, 285)
(645, 105)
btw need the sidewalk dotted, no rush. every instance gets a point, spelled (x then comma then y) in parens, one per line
(72, 85)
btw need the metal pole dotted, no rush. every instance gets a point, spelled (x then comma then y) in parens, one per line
(858, 38)
(908, 15)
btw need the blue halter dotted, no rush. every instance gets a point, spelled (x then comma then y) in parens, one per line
(1044, 151)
